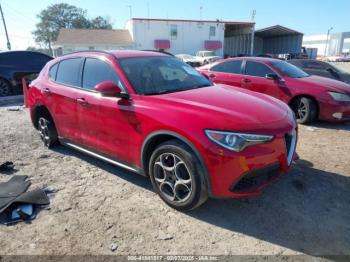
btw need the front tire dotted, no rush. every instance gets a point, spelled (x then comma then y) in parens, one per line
(305, 110)
(47, 131)
(177, 176)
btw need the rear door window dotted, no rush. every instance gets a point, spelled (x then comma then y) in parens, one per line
(69, 72)
(257, 69)
(233, 67)
(97, 71)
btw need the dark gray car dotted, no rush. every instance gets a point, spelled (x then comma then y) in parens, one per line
(315, 67)
(16, 64)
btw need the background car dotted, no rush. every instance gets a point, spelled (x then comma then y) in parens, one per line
(316, 67)
(310, 97)
(189, 59)
(206, 57)
(154, 115)
(16, 64)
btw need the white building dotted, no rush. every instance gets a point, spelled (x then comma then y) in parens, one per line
(186, 36)
(336, 44)
(71, 40)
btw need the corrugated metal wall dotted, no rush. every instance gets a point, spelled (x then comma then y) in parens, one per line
(238, 44)
(278, 45)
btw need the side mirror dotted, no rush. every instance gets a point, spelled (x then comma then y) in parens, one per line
(108, 88)
(272, 77)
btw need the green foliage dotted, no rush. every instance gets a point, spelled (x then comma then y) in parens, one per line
(63, 15)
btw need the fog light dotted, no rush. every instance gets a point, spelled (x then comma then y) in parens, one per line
(338, 115)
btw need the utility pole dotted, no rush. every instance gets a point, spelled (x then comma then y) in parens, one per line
(7, 36)
(200, 12)
(325, 48)
(253, 32)
(130, 9)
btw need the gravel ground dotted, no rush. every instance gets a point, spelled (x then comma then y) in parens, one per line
(99, 207)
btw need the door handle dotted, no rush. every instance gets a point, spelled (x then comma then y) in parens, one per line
(82, 101)
(246, 80)
(212, 76)
(46, 91)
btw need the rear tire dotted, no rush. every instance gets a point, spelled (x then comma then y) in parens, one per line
(177, 176)
(5, 88)
(47, 131)
(305, 110)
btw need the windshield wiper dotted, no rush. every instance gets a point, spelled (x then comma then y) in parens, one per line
(162, 92)
(176, 90)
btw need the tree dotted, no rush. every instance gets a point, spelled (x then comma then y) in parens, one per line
(63, 15)
(100, 23)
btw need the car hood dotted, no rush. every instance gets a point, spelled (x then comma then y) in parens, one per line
(230, 107)
(192, 60)
(327, 83)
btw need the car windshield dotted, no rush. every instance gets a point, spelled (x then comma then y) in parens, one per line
(209, 53)
(159, 75)
(289, 70)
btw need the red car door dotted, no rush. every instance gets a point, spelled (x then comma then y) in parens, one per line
(227, 72)
(255, 79)
(60, 92)
(103, 121)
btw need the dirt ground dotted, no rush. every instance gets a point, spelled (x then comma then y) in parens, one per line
(98, 205)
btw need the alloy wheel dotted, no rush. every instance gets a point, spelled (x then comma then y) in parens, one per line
(173, 178)
(301, 110)
(4, 88)
(43, 126)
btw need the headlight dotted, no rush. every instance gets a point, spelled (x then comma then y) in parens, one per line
(236, 141)
(339, 97)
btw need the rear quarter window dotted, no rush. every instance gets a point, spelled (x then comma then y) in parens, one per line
(53, 72)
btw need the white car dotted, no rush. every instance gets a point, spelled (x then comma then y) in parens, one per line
(189, 59)
(207, 57)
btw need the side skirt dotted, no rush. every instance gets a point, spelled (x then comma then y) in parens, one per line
(102, 157)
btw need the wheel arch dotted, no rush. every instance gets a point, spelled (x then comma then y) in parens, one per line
(158, 137)
(40, 110)
(291, 101)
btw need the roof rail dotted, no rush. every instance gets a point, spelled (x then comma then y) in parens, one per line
(158, 51)
(84, 51)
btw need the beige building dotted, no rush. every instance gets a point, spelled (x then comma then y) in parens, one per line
(72, 40)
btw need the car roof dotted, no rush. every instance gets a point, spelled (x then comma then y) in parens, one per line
(253, 58)
(25, 52)
(117, 53)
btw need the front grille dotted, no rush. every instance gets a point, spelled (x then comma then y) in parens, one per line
(256, 178)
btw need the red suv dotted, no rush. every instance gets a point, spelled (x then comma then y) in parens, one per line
(152, 114)
(310, 97)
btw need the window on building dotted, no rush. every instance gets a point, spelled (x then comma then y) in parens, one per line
(212, 31)
(257, 69)
(233, 67)
(173, 31)
(91, 48)
(69, 72)
(97, 71)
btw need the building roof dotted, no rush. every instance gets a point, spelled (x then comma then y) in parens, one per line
(93, 36)
(276, 30)
(195, 21)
